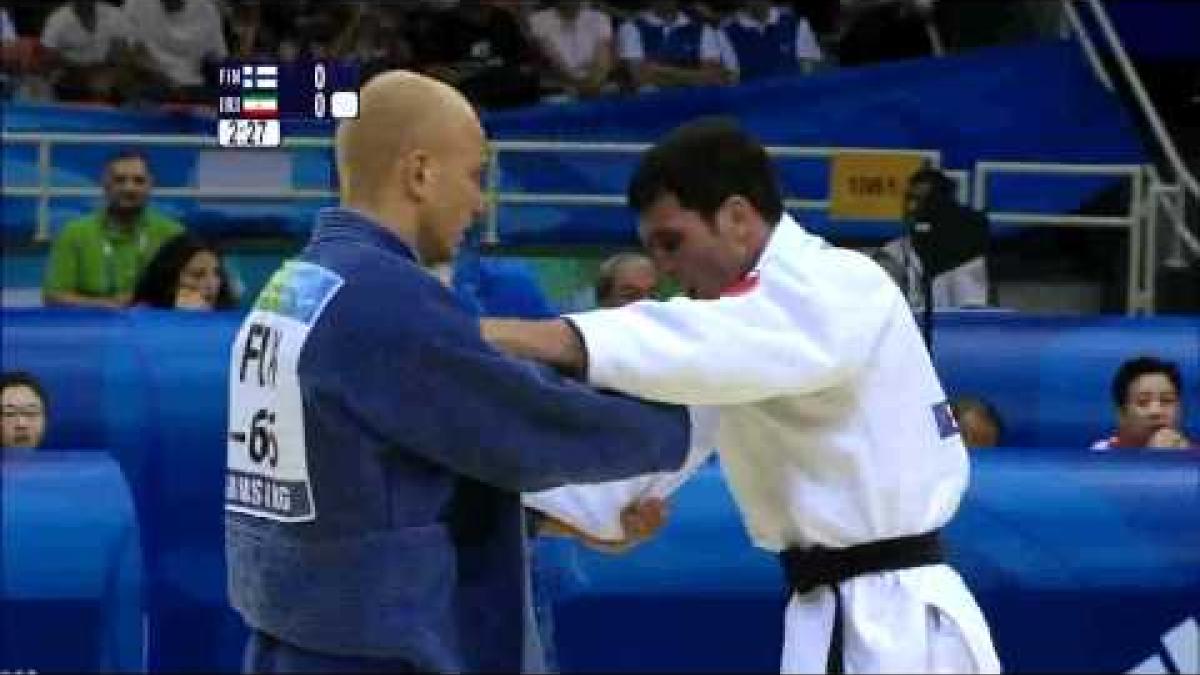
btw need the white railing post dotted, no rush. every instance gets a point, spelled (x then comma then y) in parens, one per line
(1177, 205)
(1133, 296)
(491, 228)
(1131, 221)
(42, 228)
(1085, 41)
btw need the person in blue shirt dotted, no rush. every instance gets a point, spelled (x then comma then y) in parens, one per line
(378, 446)
(767, 40)
(664, 46)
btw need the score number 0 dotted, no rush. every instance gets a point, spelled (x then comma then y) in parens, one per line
(339, 104)
(319, 102)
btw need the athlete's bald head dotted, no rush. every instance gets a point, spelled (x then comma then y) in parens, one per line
(413, 160)
(399, 111)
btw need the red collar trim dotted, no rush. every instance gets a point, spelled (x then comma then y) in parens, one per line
(742, 286)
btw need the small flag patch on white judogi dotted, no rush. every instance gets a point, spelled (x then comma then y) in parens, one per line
(944, 416)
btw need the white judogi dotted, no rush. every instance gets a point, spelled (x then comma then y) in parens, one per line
(829, 434)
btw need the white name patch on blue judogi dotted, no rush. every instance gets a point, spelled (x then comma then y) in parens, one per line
(267, 474)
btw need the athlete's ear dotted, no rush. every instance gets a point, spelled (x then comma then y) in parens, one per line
(416, 174)
(736, 218)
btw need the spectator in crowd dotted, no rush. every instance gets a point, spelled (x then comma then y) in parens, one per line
(9, 57)
(379, 38)
(1146, 394)
(952, 236)
(663, 46)
(95, 260)
(767, 40)
(8, 30)
(978, 421)
(885, 30)
(24, 410)
(247, 34)
(90, 52)
(625, 278)
(822, 15)
(183, 38)
(186, 273)
(326, 30)
(480, 50)
(575, 40)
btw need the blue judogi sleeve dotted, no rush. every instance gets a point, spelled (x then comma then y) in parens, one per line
(424, 381)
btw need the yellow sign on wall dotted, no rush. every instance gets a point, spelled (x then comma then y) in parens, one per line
(870, 186)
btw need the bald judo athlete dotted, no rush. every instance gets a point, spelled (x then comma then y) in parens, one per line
(833, 429)
(378, 446)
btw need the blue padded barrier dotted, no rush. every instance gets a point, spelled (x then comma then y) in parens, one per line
(70, 565)
(1049, 376)
(92, 373)
(1079, 561)
(153, 383)
(187, 354)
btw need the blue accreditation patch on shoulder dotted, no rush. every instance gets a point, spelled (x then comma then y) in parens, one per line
(299, 290)
(943, 416)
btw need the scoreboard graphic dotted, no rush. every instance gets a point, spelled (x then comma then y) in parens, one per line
(254, 96)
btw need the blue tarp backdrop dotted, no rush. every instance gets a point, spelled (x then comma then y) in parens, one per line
(1034, 102)
(1081, 561)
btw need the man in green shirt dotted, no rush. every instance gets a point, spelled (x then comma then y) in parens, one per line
(95, 261)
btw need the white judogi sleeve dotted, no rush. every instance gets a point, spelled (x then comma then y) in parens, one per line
(789, 334)
(595, 508)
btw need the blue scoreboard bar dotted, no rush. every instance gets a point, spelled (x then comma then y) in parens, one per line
(253, 96)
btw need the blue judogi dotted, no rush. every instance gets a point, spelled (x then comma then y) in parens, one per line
(393, 531)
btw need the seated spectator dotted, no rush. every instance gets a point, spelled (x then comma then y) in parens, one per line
(885, 30)
(1145, 391)
(480, 50)
(249, 35)
(379, 38)
(665, 47)
(575, 40)
(328, 30)
(768, 40)
(978, 422)
(960, 259)
(625, 278)
(95, 260)
(24, 410)
(183, 38)
(186, 273)
(8, 30)
(90, 52)
(8, 53)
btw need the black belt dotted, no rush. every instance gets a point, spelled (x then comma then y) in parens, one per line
(816, 566)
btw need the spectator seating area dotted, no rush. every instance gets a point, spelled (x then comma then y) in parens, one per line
(1103, 546)
(1065, 117)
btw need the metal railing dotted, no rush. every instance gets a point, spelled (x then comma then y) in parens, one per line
(972, 187)
(491, 231)
(1139, 295)
(1187, 183)
(44, 191)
